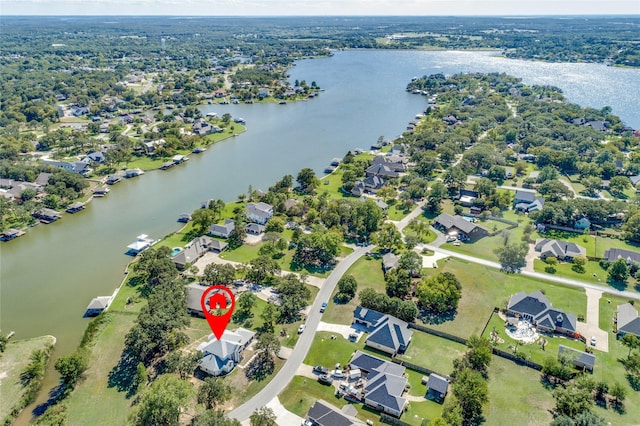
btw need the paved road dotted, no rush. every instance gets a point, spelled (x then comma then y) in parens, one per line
(539, 275)
(278, 383)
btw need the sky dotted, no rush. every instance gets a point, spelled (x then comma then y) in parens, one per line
(319, 7)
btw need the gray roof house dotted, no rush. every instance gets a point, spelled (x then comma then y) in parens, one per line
(527, 207)
(537, 309)
(635, 180)
(324, 414)
(390, 261)
(193, 251)
(397, 163)
(222, 231)
(259, 212)
(194, 295)
(615, 253)
(627, 320)
(381, 170)
(254, 228)
(581, 360)
(457, 225)
(562, 250)
(221, 356)
(386, 333)
(369, 363)
(437, 386)
(523, 196)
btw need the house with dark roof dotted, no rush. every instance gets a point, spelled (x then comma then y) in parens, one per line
(627, 320)
(381, 170)
(397, 163)
(457, 225)
(537, 309)
(386, 333)
(562, 250)
(259, 212)
(524, 196)
(194, 295)
(193, 251)
(220, 356)
(324, 414)
(368, 363)
(78, 167)
(222, 231)
(46, 215)
(536, 205)
(614, 254)
(437, 387)
(581, 360)
(467, 197)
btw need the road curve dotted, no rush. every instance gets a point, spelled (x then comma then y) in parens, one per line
(284, 376)
(539, 275)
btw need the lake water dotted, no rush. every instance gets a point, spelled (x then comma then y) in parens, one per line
(48, 276)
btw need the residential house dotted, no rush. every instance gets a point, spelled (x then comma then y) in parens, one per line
(291, 202)
(259, 212)
(192, 251)
(457, 225)
(390, 261)
(635, 180)
(254, 229)
(598, 125)
(562, 250)
(581, 360)
(94, 157)
(370, 185)
(217, 246)
(386, 333)
(194, 295)
(467, 197)
(221, 356)
(437, 387)
(381, 170)
(224, 230)
(395, 162)
(524, 197)
(528, 207)
(152, 146)
(75, 167)
(43, 179)
(324, 414)
(202, 127)
(627, 320)
(614, 254)
(537, 309)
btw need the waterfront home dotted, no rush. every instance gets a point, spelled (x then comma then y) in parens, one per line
(75, 207)
(152, 146)
(141, 243)
(221, 356)
(561, 250)
(222, 231)
(459, 226)
(193, 251)
(381, 170)
(395, 162)
(131, 173)
(78, 167)
(259, 212)
(10, 234)
(45, 215)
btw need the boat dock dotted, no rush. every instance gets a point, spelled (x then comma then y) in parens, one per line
(141, 243)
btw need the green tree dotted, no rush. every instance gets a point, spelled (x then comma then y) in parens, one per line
(618, 271)
(71, 367)
(398, 283)
(591, 185)
(141, 378)
(411, 262)
(618, 392)
(269, 315)
(572, 400)
(275, 224)
(439, 294)
(471, 391)
(578, 263)
(246, 302)
(388, 236)
(347, 287)
(214, 391)
(631, 341)
(214, 418)
(512, 256)
(162, 402)
(452, 411)
(294, 296)
(437, 193)
(183, 363)
(262, 269)
(224, 274)
(632, 227)
(318, 248)
(263, 416)
(408, 311)
(202, 219)
(618, 184)
(307, 181)
(479, 353)
(155, 266)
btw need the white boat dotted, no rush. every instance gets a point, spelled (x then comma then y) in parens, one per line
(142, 243)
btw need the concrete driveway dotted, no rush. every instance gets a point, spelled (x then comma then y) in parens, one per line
(341, 329)
(592, 326)
(283, 416)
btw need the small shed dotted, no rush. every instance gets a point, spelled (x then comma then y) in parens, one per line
(581, 360)
(437, 387)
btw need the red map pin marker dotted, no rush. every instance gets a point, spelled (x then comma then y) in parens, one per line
(217, 297)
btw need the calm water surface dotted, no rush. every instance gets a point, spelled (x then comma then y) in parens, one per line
(48, 276)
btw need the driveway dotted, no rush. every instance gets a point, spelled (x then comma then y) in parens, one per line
(592, 326)
(532, 254)
(283, 417)
(341, 329)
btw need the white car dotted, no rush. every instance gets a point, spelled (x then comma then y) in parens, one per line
(593, 340)
(301, 328)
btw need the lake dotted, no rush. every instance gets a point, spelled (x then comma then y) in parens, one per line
(48, 276)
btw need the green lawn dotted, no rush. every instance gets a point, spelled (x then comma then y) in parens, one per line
(484, 247)
(595, 246)
(485, 288)
(327, 352)
(12, 362)
(95, 390)
(396, 212)
(433, 352)
(368, 274)
(516, 396)
(593, 273)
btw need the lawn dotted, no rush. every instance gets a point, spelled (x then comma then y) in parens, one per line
(485, 288)
(13, 361)
(368, 274)
(484, 247)
(327, 352)
(593, 271)
(516, 396)
(95, 390)
(595, 246)
(433, 352)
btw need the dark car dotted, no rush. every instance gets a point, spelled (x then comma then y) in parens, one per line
(320, 369)
(325, 379)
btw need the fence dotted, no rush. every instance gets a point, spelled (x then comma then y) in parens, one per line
(438, 333)
(516, 359)
(385, 418)
(416, 367)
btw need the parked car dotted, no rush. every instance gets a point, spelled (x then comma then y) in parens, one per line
(320, 369)
(323, 307)
(593, 340)
(451, 239)
(338, 373)
(301, 328)
(325, 379)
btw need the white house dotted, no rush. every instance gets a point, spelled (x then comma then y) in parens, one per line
(221, 356)
(259, 212)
